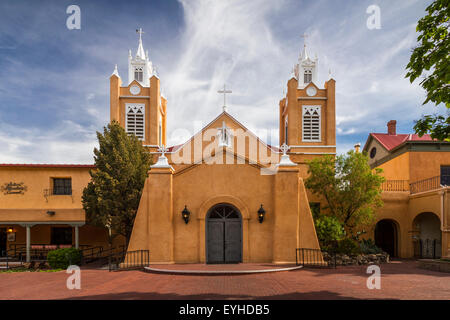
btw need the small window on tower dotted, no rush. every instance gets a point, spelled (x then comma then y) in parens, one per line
(308, 76)
(138, 74)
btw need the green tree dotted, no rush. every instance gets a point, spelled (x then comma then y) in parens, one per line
(430, 59)
(350, 187)
(112, 197)
(329, 230)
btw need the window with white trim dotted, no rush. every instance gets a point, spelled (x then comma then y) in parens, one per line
(308, 76)
(311, 120)
(135, 119)
(139, 74)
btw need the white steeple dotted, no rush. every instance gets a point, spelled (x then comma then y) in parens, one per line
(140, 67)
(306, 69)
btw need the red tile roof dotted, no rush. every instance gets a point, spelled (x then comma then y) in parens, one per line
(392, 141)
(42, 165)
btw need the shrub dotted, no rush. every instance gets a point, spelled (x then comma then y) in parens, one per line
(368, 247)
(348, 246)
(328, 230)
(62, 258)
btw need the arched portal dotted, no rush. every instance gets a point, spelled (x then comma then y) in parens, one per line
(223, 234)
(386, 236)
(427, 227)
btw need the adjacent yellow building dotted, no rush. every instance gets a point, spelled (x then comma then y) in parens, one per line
(415, 218)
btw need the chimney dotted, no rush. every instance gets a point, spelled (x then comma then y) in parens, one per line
(392, 127)
(357, 147)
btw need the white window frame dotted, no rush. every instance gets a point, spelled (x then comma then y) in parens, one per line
(134, 107)
(307, 74)
(139, 71)
(311, 109)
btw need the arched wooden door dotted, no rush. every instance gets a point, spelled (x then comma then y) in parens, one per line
(223, 234)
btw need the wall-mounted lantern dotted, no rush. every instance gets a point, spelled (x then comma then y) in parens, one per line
(261, 214)
(51, 213)
(10, 230)
(185, 214)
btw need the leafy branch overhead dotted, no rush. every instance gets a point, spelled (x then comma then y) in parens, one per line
(430, 60)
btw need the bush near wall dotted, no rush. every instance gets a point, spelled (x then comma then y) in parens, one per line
(63, 258)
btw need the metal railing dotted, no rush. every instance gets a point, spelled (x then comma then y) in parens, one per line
(429, 184)
(308, 257)
(395, 185)
(129, 260)
(427, 249)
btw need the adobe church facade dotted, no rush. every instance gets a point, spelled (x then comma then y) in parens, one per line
(225, 196)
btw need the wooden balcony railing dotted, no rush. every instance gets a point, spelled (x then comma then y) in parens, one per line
(395, 185)
(429, 184)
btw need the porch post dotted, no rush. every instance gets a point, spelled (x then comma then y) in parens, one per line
(28, 242)
(77, 239)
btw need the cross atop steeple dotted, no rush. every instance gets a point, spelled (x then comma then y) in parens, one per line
(140, 68)
(140, 51)
(224, 91)
(304, 36)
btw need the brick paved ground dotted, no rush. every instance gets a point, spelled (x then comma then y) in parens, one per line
(400, 280)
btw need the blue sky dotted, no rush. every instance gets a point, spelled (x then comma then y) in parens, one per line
(54, 82)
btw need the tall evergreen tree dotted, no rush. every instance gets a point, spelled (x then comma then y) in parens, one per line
(112, 197)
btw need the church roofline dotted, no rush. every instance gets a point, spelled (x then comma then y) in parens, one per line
(175, 149)
(46, 165)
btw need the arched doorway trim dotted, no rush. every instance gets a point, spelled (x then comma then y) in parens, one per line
(427, 235)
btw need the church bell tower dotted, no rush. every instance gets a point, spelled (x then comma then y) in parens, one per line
(139, 106)
(308, 112)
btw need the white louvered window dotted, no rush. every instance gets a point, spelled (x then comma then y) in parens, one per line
(135, 119)
(311, 123)
(138, 74)
(308, 76)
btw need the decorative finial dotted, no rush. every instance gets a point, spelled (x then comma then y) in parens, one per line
(224, 91)
(163, 150)
(116, 72)
(162, 160)
(329, 74)
(284, 148)
(285, 161)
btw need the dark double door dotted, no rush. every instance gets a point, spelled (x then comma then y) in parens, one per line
(224, 235)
